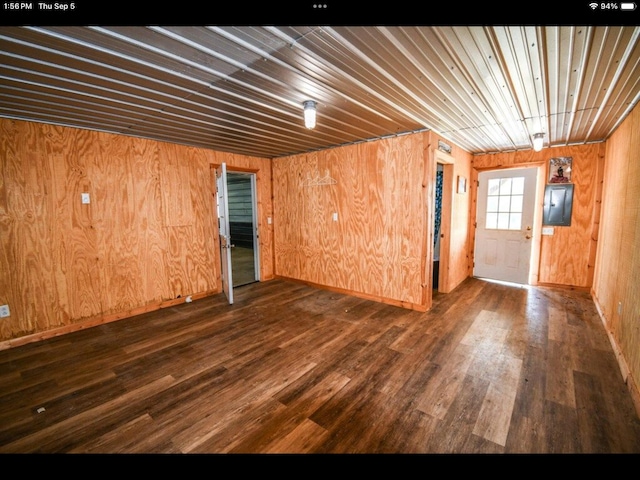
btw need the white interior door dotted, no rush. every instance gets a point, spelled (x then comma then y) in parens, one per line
(225, 235)
(505, 212)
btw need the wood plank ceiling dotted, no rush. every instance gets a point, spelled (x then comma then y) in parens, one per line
(241, 89)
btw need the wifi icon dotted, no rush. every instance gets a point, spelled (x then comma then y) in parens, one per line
(593, 5)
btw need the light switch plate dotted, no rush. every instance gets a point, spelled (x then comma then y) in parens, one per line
(85, 198)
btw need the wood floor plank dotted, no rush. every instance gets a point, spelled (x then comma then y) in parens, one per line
(494, 419)
(562, 433)
(50, 440)
(279, 434)
(460, 419)
(491, 368)
(305, 438)
(559, 387)
(445, 386)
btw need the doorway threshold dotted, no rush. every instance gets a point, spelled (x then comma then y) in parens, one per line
(502, 282)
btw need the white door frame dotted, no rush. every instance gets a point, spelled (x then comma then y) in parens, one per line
(223, 230)
(256, 234)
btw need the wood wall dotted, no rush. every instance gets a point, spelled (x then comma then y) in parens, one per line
(148, 237)
(381, 245)
(616, 286)
(457, 254)
(568, 256)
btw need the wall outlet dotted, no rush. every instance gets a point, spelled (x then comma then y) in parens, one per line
(4, 311)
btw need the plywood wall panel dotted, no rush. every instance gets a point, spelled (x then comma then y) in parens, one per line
(74, 241)
(179, 186)
(332, 242)
(520, 158)
(7, 151)
(363, 207)
(460, 247)
(617, 272)
(29, 221)
(375, 247)
(412, 230)
(118, 221)
(629, 334)
(596, 213)
(565, 256)
(205, 227)
(176, 188)
(147, 237)
(611, 223)
(146, 166)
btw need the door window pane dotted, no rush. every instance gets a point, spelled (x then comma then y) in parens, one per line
(516, 203)
(517, 186)
(515, 221)
(504, 203)
(494, 186)
(503, 221)
(505, 186)
(492, 220)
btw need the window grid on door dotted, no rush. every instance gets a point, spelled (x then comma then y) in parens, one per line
(504, 203)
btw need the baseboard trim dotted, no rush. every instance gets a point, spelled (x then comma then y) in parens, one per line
(353, 293)
(627, 376)
(100, 320)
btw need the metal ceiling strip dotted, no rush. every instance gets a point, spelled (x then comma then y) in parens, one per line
(464, 49)
(333, 33)
(280, 34)
(621, 64)
(269, 79)
(272, 58)
(462, 109)
(183, 60)
(292, 113)
(162, 105)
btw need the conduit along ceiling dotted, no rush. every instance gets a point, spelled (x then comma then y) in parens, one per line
(241, 89)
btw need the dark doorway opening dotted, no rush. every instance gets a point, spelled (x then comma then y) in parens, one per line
(242, 227)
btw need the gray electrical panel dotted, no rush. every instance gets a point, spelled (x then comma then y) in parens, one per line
(558, 202)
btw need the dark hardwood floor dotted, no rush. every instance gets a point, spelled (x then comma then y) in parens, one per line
(291, 369)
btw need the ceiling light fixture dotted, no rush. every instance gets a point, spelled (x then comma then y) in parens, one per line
(538, 139)
(309, 113)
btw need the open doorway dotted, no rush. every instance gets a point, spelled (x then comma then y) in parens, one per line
(437, 226)
(241, 193)
(443, 198)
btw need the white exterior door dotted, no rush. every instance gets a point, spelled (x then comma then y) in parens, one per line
(505, 211)
(223, 226)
